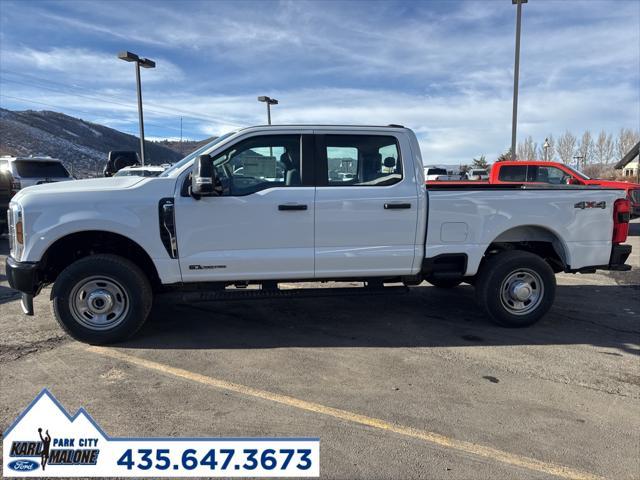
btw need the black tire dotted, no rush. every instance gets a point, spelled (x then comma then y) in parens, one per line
(444, 282)
(502, 275)
(127, 290)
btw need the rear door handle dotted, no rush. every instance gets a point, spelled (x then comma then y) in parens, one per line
(289, 207)
(396, 206)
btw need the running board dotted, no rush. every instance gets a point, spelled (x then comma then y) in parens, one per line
(226, 295)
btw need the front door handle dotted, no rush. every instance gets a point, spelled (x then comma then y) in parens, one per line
(287, 207)
(396, 206)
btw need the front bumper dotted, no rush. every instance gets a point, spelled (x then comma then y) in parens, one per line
(24, 276)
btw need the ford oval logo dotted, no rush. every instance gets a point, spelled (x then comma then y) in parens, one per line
(23, 465)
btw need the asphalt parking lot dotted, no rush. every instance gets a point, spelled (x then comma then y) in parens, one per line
(411, 385)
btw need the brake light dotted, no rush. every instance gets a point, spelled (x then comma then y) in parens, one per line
(621, 209)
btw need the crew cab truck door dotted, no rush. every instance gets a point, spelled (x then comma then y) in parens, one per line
(260, 226)
(366, 205)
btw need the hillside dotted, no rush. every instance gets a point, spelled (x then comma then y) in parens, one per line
(186, 147)
(83, 146)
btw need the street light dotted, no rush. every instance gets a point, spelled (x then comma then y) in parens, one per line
(269, 101)
(546, 148)
(144, 63)
(516, 72)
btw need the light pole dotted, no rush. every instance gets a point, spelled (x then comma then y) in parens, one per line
(145, 63)
(546, 149)
(269, 101)
(516, 72)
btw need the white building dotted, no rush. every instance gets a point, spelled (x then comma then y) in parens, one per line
(629, 163)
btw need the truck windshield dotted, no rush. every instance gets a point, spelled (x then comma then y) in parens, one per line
(578, 173)
(40, 169)
(200, 151)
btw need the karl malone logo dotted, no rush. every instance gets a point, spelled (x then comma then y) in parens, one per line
(63, 452)
(45, 437)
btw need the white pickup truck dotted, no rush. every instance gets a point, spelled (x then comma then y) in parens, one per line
(264, 205)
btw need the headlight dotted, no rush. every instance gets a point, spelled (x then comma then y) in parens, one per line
(16, 230)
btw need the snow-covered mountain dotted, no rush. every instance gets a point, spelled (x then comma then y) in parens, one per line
(83, 146)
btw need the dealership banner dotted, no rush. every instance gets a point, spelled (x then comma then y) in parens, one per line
(46, 441)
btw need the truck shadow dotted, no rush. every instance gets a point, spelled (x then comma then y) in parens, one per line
(607, 316)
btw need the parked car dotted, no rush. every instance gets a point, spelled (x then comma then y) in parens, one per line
(476, 174)
(28, 171)
(119, 159)
(433, 174)
(5, 196)
(526, 171)
(203, 224)
(140, 171)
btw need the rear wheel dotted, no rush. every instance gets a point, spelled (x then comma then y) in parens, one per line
(515, 288)
(101, 299)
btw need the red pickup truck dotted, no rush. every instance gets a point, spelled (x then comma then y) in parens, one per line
(533, 171)
(530, 171)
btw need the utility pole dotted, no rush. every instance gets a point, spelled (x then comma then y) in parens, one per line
(516, 73)
(181, 153)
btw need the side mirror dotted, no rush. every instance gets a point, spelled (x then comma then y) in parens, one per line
(203, 177)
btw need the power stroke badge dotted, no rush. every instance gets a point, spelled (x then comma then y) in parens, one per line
(47, 441)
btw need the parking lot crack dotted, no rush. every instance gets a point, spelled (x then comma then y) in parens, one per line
(10, 353)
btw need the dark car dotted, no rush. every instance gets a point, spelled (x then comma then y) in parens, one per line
(119, 159)
(5, 196)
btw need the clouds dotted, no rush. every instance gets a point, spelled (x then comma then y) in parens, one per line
(442, 68)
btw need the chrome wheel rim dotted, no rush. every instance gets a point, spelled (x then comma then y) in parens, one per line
(99, 303)
(521, 291)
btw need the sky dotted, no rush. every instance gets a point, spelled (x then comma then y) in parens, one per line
(442, 68)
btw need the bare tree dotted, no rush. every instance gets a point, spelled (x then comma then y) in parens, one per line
(627, 138)
(585, 149)
(527, 150)
(566, 147)
(603, 149)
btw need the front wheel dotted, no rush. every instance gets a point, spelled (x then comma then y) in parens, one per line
(515, 288)
(101, 299)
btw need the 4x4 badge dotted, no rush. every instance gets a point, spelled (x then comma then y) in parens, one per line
(583, 205)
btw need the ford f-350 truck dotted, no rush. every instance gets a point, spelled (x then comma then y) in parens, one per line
(276, 204)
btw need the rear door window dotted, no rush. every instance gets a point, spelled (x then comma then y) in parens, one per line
(512, 173)
(362, 160)
(38, 169)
